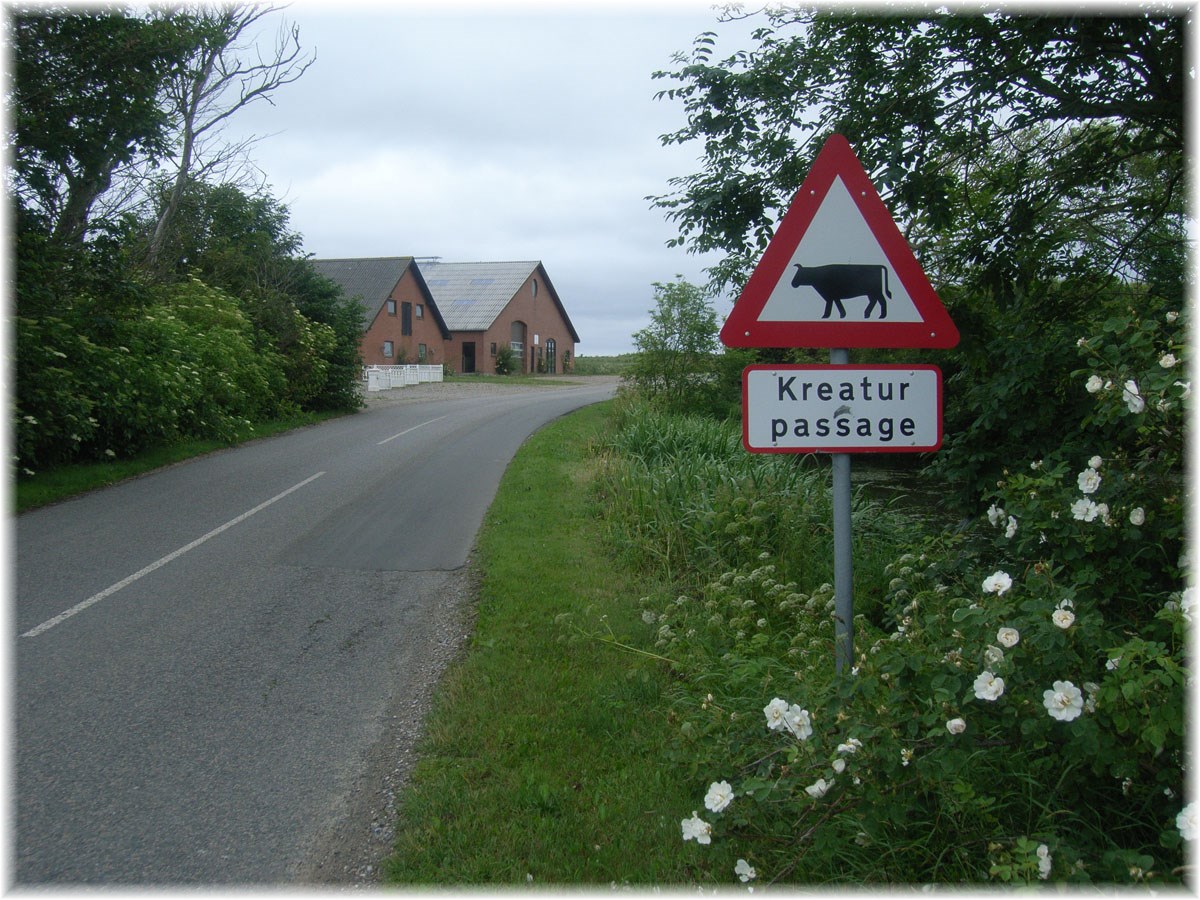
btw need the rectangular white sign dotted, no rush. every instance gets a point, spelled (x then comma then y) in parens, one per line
(841, 409)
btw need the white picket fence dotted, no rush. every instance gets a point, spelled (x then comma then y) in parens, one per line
(382, 378)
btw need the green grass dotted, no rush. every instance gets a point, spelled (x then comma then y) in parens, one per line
(604, 365)
(53, 485)
(543, 754)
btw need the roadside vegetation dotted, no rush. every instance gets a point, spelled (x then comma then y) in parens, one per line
(1015, 709)
(160, 297)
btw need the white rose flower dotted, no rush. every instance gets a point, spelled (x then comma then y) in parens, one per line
(798, 722)
(1137, 516)
(1009, 637)
(719, 796)
(988, 686)
(1188, 822)
(997, 583)
(1168, 361)
(1094, 384)
(995, 514)
(993, 656)
(1132, 398)
(775, 712)
(956, 726)
(744, 871)
(1095, 462)
(1063, 701)
(819, 789)
(1063, 618)
(696, 829)
(1012, 527)
(1045, 862)
(1089, 480)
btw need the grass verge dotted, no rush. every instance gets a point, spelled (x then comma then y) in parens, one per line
(541, 760)
(62, 483)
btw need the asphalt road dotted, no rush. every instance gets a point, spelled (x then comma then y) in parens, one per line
(207, 658)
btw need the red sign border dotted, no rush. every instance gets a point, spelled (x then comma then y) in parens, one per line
(744, 329)
(834, 367)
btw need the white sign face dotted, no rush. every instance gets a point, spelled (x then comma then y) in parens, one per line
(838, 271)
(841, 409)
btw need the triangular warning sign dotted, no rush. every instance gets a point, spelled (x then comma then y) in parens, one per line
(838, 272)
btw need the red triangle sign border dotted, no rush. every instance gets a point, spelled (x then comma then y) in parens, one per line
(745, 328)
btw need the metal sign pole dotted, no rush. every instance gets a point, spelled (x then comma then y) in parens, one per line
(843, 562)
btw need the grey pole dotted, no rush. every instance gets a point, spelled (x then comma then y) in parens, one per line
(843, 566)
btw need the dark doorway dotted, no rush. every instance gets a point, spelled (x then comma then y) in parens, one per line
(468, 357)
(551, 356)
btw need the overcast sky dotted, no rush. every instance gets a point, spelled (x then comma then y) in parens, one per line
(486, 132)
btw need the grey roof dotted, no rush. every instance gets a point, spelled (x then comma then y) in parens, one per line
(372, 280)
(472, 294)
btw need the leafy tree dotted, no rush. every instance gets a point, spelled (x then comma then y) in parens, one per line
(676, 350)
(1034, 161)
(85, 100)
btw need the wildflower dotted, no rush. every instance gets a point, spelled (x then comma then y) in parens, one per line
(696, 829)
(1063, 701)
(997, 583)
(719, 796)
(649, 617)
(1063, 618)
(1168, 361)
(1094, 384)
(1172, 317)
(1112, 664)
(1187, 602)
(906, 756)
(1095, 462)
(1137, 516)
(988, 686)
(993, 656)
(1188, 822)
(839, 765)
(1045, 862)
(956, 726)
(744, 871)
(1187, 389)
(1084, 510)
(819, 788)
(775, 712)
(1132, 398)
(1012, 527)
(1035, 465)
(1089, 480)
(1009, 637)
(995, 514)
(851, 746)
(798, 722)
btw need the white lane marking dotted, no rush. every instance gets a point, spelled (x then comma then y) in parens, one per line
(414, 428)
(158, 564)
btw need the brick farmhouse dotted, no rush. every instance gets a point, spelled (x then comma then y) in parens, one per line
(422, 310)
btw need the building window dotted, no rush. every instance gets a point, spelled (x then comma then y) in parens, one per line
(387, 350)
(421, 353)
(493, 348)
(420, 310)
(406, 319)
(535, 287)
(391, 307)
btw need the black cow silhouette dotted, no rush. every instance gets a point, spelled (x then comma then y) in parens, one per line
(836, 283)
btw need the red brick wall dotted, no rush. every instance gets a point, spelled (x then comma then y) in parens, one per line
(387, 327)
(542, 319)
